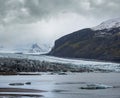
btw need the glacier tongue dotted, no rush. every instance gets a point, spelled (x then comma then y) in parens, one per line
(112, 23)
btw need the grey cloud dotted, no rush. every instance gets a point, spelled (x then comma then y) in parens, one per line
(107, 8)
(16, 16)
(34, 10)
(94, 8)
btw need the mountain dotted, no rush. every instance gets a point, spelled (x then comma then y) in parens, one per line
(4, 49)
(109, 24)
(26, 49)
(35, 48)
(101, 42)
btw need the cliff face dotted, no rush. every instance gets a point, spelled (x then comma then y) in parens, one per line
(90, 44)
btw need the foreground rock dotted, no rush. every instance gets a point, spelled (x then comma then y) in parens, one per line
(16, 84)
(20, 90)
(19, 84)
(20, 95)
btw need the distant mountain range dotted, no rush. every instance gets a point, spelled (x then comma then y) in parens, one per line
(31, 49)
(101, 42)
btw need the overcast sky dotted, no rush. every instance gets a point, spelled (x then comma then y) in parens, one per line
(44, 21)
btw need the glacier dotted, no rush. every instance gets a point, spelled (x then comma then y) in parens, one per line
(92, 64)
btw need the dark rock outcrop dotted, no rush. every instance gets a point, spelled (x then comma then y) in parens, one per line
(90, 44)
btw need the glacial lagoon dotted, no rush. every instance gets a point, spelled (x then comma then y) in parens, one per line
(54, 85)
(64, 86)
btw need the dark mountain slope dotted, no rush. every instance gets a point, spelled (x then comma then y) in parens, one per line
(90, 44)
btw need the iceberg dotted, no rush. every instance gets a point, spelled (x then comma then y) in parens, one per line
(96, 86)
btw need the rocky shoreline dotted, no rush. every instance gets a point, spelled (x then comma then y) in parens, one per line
(20, 90)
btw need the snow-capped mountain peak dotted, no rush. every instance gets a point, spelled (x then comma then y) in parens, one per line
(112, 23)
(35, 48)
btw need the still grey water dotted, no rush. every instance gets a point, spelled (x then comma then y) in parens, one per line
(67, 86)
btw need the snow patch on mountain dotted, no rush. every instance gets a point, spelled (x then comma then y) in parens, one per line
(112, 23)
(35, 48)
